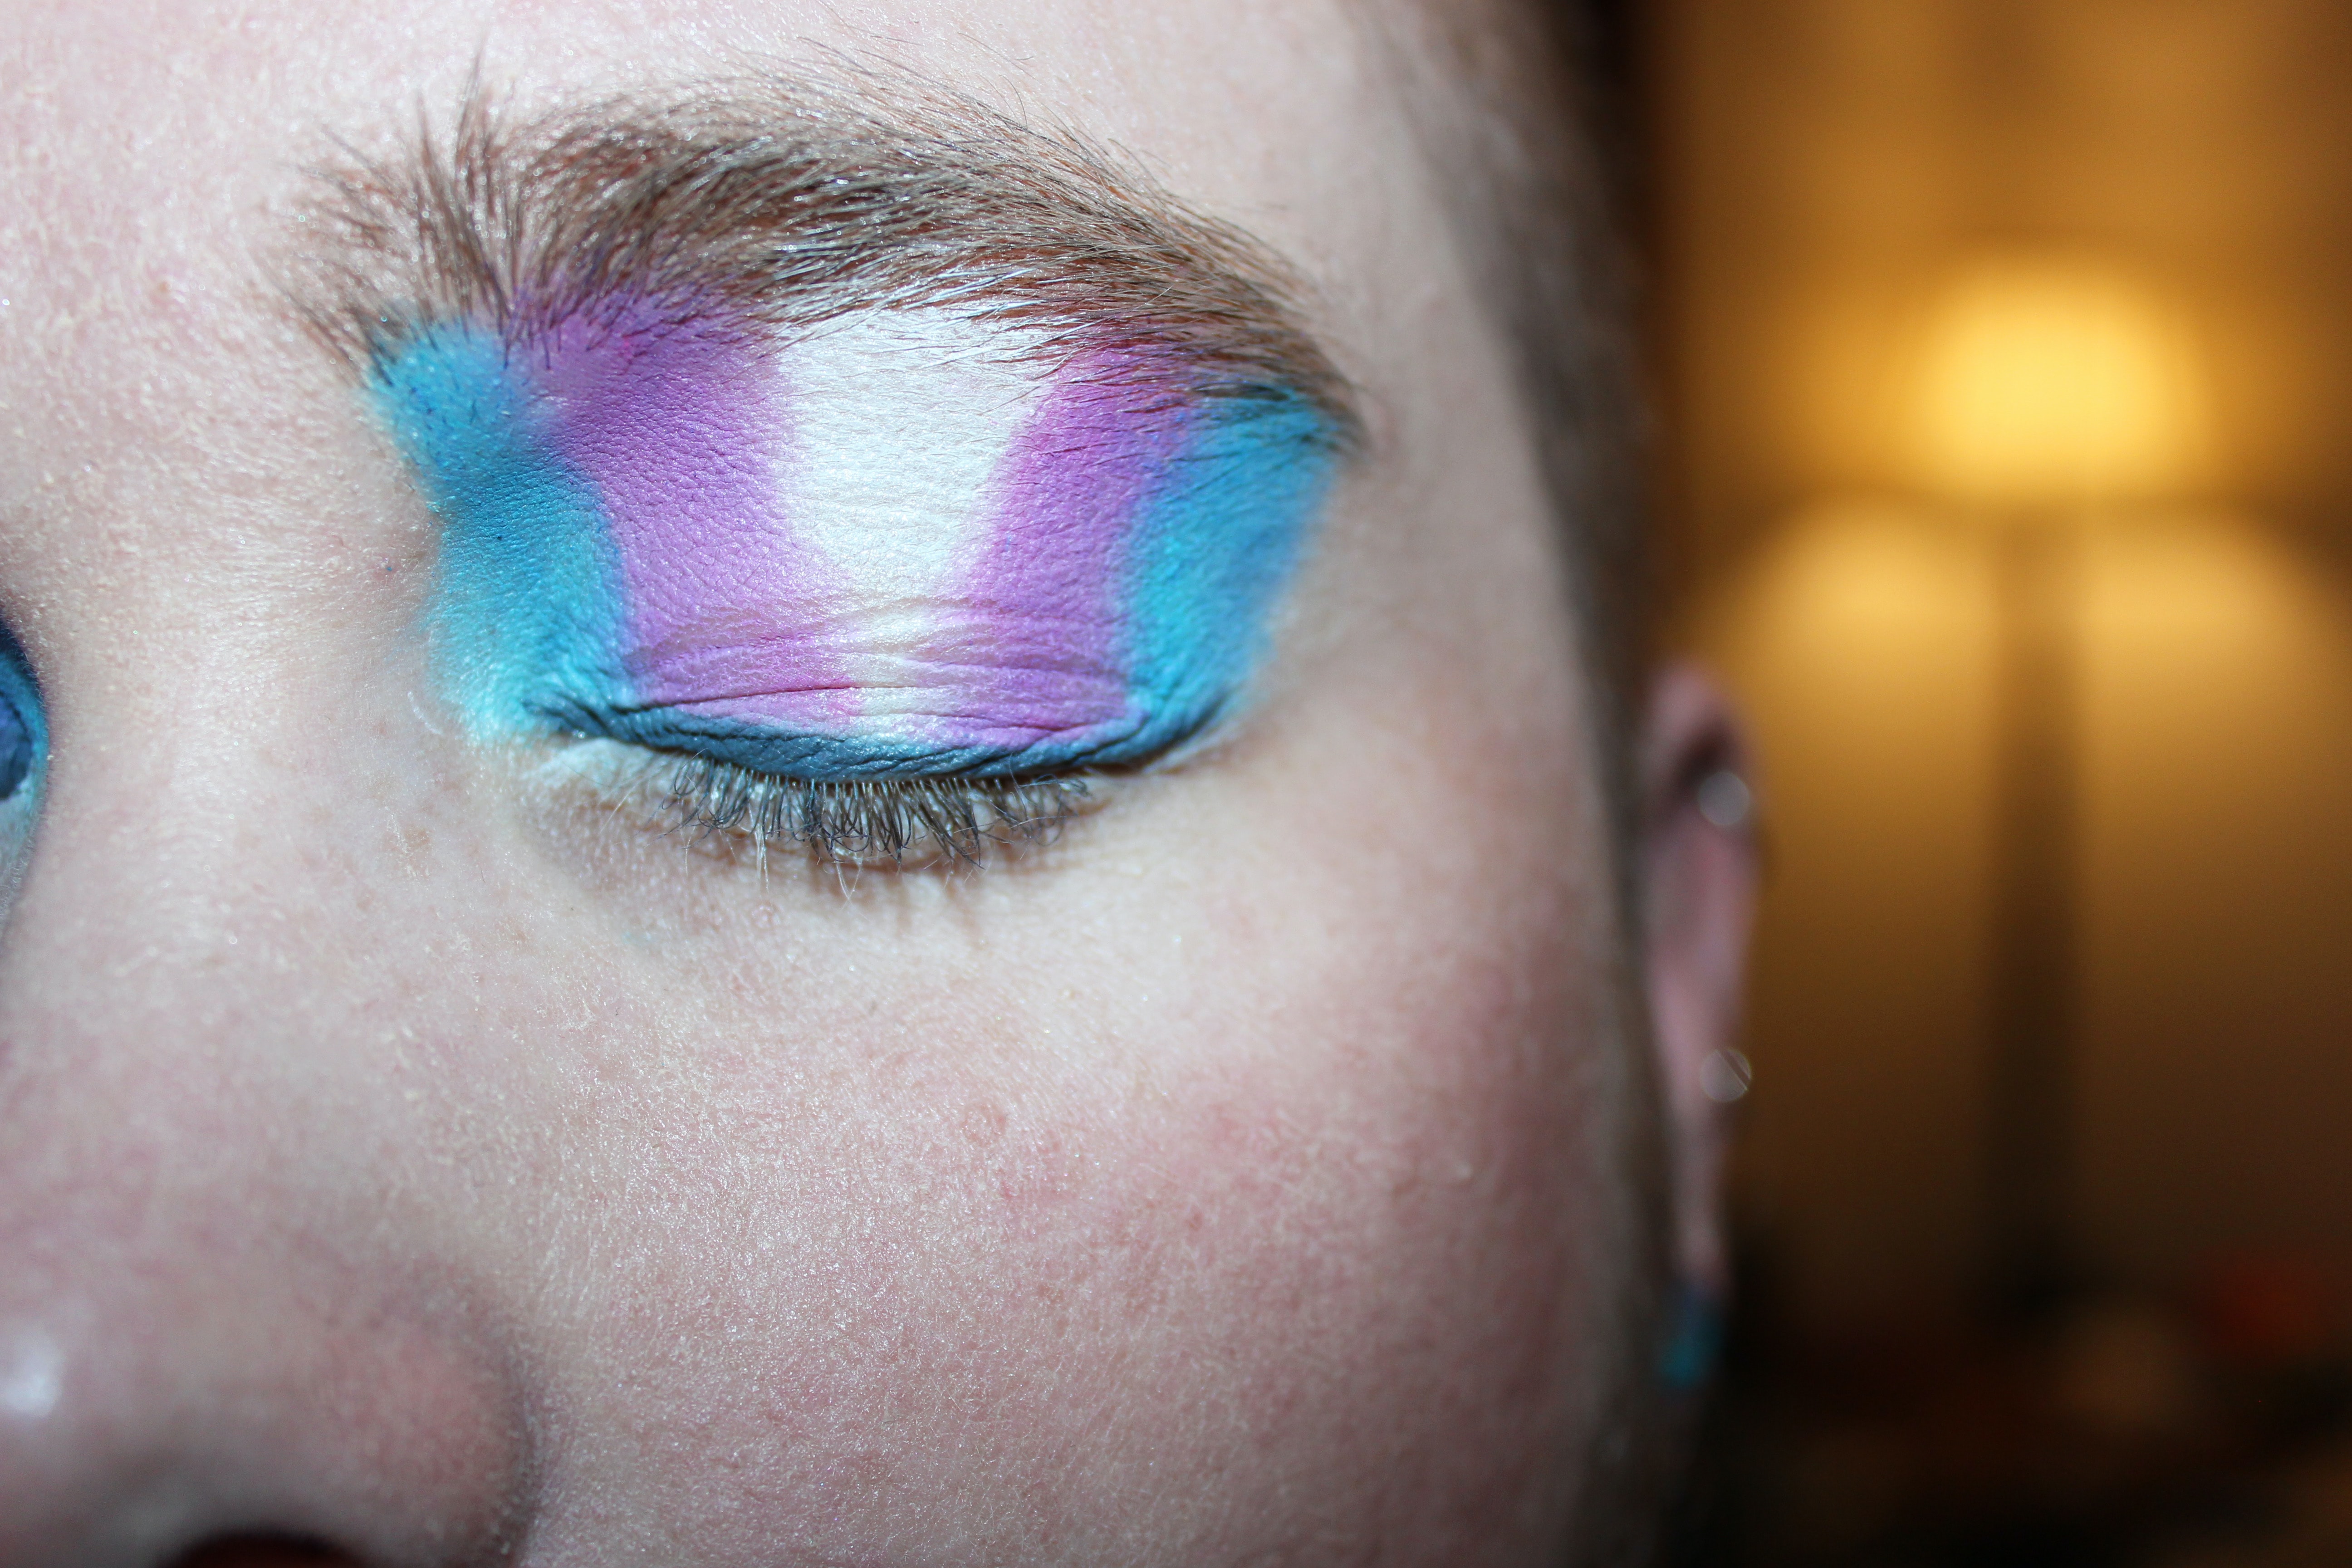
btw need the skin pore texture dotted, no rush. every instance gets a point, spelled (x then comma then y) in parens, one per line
(407, 1150)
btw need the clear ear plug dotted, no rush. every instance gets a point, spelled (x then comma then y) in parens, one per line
(1726, 1076)
(1725, 800)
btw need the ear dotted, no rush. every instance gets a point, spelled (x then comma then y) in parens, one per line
(1699, 872)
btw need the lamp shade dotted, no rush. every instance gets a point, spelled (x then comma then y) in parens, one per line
(2059, 381)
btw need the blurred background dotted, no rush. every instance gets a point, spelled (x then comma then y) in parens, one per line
(2005, 354)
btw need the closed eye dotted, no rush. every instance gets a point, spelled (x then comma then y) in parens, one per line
(898, 557)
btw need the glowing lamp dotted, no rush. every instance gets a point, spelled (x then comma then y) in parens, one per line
(2053, 383)
(2050, 387)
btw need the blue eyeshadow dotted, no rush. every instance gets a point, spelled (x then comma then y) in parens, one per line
(527, 609)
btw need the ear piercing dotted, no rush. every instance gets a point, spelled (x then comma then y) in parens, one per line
(1693, 1339)
(1725, 800)
(1726, 1076)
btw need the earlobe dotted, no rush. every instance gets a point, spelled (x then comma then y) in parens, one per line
(1699, 869)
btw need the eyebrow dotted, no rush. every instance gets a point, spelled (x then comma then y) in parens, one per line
(784, 204)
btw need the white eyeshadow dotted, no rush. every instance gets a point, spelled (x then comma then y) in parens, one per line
(896, 423)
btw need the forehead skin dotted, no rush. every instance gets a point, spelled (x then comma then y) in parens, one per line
(395, 1154)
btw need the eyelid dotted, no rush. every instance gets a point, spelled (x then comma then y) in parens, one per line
(1159, 427)
(600, 579)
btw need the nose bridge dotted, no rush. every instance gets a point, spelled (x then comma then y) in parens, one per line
(229, 1303)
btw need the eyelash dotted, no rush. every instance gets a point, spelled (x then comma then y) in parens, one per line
(898, 822)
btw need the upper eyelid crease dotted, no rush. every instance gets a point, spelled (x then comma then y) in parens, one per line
(787, 204)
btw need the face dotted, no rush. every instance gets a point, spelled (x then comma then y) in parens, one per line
(696, 917)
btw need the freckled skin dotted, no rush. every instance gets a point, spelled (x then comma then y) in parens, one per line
(400, 1150)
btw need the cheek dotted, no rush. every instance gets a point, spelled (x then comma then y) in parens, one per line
(1243, 1190)
(1355, 1226)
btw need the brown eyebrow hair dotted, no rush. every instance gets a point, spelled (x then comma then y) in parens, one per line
(785, 203)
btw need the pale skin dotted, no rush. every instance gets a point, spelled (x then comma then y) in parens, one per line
(401, 1153)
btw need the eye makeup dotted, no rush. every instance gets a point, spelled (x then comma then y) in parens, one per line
(24, 762)
(904, 544)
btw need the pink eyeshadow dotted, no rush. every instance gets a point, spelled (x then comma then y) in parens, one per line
(679, 431)
(1037, 650)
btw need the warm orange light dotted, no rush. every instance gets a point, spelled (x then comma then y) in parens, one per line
(2057, 381)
